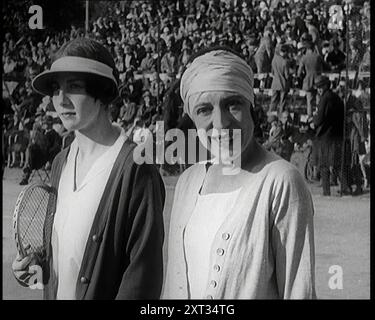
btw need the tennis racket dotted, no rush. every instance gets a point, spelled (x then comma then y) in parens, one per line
(32, 206)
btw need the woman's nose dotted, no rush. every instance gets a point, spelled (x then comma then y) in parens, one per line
(63, 95)
(220, 119)
(62, 98)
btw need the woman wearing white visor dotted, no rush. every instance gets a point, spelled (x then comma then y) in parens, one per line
(106, 235)
(242, 223)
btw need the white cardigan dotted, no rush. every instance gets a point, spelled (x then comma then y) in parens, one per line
(265, 247)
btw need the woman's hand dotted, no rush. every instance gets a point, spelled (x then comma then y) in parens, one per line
(21, 268)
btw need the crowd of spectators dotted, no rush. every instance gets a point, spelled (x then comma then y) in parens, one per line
(152, 41)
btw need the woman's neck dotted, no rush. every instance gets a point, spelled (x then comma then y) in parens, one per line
(97, 138)
(252, 157)
(251, 160)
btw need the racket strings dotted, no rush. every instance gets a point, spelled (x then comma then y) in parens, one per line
(32, 203)
(35, 204)
(33, 208)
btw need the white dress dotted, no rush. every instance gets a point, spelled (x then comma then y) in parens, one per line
(210, 212)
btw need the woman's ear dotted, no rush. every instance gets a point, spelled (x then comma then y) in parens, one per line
(101, 104)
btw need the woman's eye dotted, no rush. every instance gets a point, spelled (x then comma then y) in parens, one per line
(55, 88)
(76, 86)
(234, 107)
(204, 111)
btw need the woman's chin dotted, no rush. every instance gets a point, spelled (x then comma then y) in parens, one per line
(69, 125)
(228, 157)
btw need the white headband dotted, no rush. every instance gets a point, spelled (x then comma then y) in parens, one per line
(214, 71)
(78, 64)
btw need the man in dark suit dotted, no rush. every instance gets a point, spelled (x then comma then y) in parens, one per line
(311, 65)
(328, 123)
(336, 58)
(299, 26)
(280, 82)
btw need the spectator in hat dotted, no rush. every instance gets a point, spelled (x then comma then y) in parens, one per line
(244, 24)
(132, 87)
(263, 56)
(238, 40)
(288, 35)
(336, 58)
(184, 58)
(273, 142)
(313, 32)
(355, 55)
(249, 56)
(148, 63)
(169, 61)
(166, 35)
(147, 105)
(130, 62)
(325, 51)
(145, 13)
(286, 124)
(139, 53)
(303, 136)
(228, 25)
(358, 132)
(310, 66)
(30, 102)
(181, 26)
(280, 81)
(355, 59)
(328, 123)
(31, 70)
(119, 60)
(298, 23)
(191, 24)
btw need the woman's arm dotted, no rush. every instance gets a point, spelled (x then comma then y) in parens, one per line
(143, 276)
(293, 238)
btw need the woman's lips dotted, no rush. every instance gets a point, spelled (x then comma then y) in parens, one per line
(68, 114)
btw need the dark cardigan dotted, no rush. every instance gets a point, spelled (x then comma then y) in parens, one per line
(123, 254)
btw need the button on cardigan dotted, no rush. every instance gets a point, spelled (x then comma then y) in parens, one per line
(270, 250)
(209, 213)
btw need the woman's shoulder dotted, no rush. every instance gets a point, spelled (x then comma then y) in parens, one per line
(191, 174)
(61, 156)
(282, 177)
(131, 160)
(193, 171)
(128, 154)
(279, 170)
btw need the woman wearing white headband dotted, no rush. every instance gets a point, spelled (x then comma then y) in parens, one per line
(105, 237)
(242, 223)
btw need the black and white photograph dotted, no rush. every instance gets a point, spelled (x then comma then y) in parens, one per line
(186, 150)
